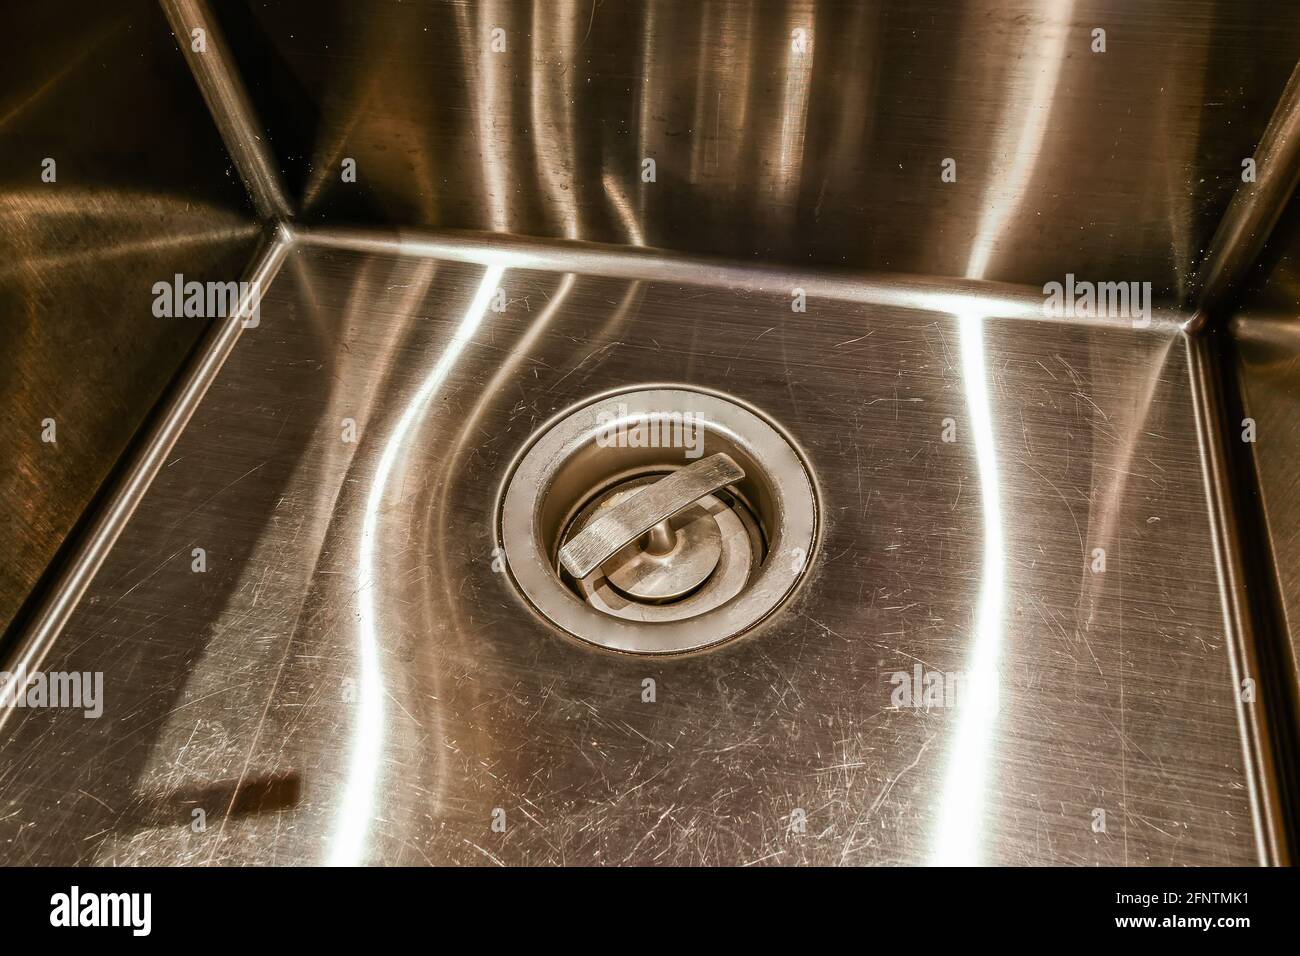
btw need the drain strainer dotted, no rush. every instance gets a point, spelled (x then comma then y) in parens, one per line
(658, 520)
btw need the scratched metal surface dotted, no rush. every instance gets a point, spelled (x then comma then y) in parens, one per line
(350, 680)
(1266, 332)
(141, 192)
(824, 152)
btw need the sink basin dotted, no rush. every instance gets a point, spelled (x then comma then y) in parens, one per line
(1040, 622)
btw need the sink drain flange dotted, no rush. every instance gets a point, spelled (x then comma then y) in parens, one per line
(658, 519)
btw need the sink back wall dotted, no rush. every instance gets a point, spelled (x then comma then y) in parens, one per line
(799, 132)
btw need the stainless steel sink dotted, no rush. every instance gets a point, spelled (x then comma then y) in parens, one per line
(1046, 609)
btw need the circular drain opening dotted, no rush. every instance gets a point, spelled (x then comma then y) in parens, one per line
(658, 520)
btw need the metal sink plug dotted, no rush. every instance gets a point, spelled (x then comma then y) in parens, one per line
(675, 557)
(623, 546)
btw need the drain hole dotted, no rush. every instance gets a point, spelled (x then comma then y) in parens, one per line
(658, 520)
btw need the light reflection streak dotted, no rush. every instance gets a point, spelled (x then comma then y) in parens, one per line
(963, 794)
(962, 802)
(623, 206)
(794, 110)
(348, 843)
(551, 104)
(491, 83)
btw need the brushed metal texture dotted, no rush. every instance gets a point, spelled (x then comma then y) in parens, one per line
(351, 680)
(1035, 599)
(824, 146)
(612, 531)
(141, 193)
(1265, 352)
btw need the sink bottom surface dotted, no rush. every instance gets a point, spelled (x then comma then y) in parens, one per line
(351, 679)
